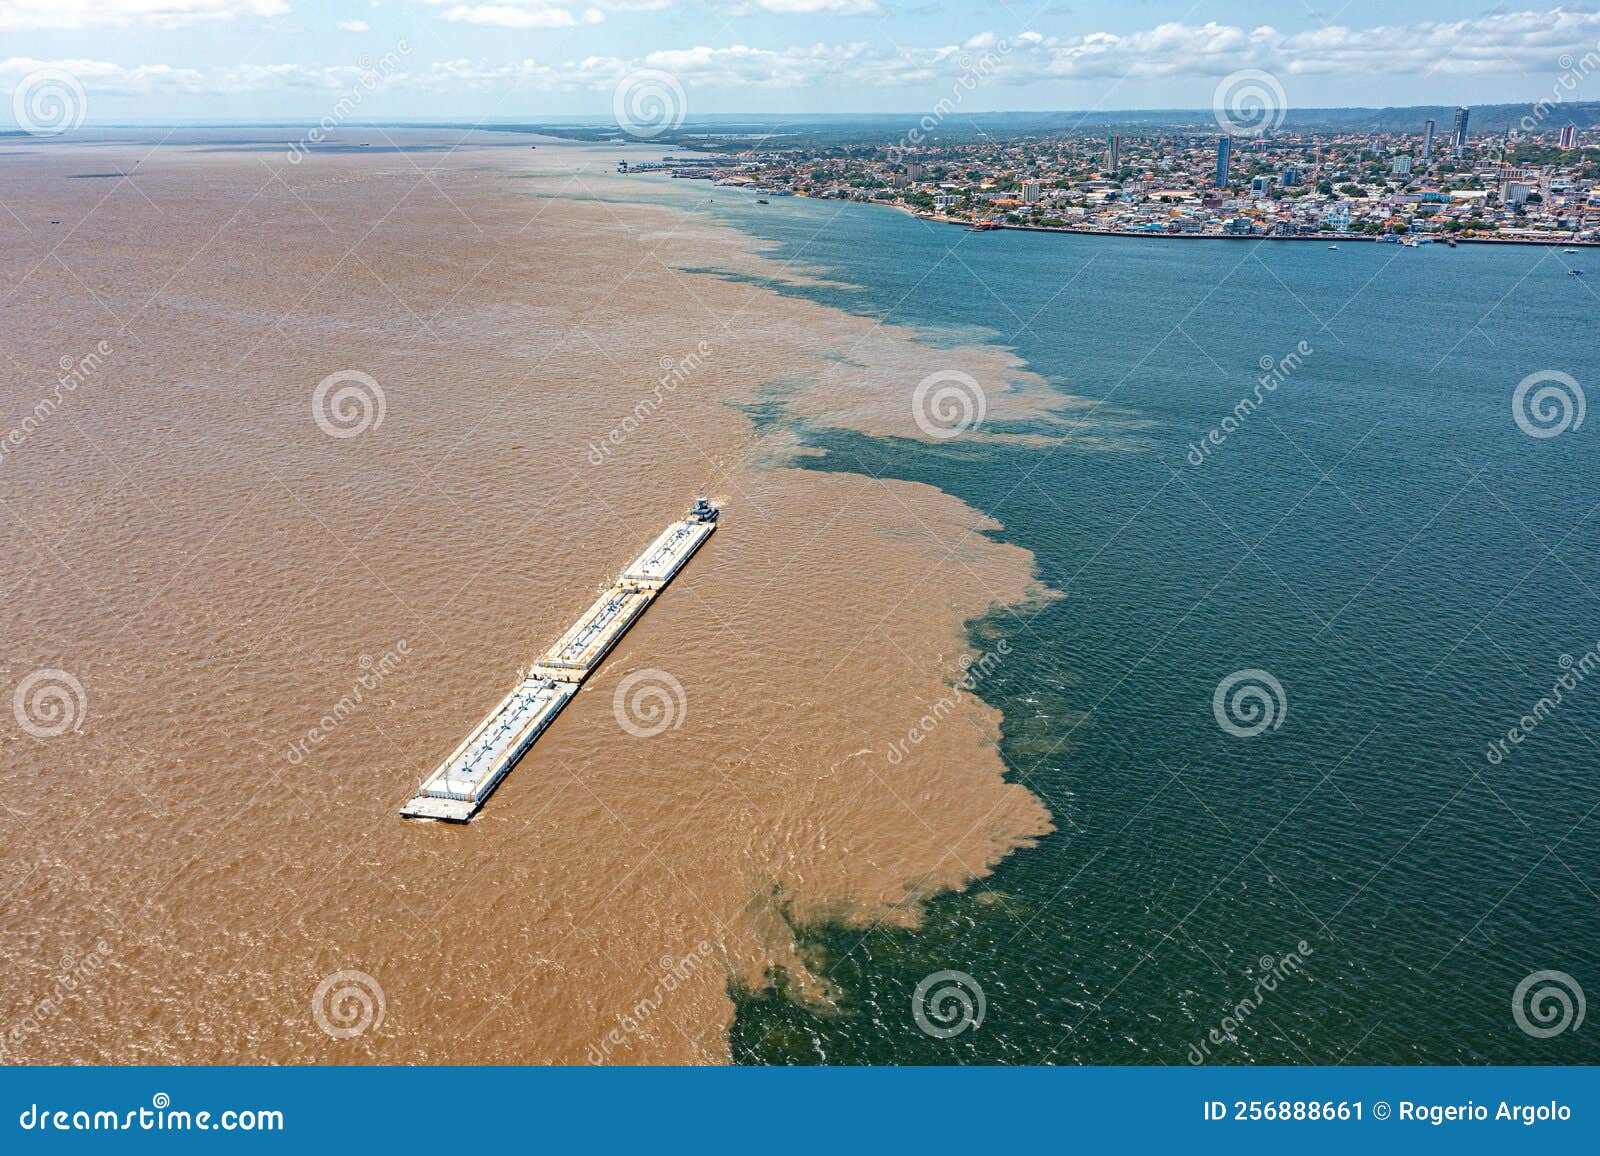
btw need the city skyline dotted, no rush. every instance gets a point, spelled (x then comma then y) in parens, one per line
(252, 60)
(1535, 185)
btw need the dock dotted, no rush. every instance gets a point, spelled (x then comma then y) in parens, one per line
(468, 776)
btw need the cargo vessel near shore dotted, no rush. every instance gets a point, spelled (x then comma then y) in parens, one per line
(464, 781)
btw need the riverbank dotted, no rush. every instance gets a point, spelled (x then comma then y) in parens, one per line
(1333, 238)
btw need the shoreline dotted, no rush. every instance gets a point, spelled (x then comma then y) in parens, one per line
(1144, 234)
(1150, 234)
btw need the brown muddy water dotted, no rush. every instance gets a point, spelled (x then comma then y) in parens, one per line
(257, 624)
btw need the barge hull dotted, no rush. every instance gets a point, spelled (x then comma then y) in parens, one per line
(455, 791)
(590, 638)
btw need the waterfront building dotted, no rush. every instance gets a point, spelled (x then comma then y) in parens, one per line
(1458, 134)
(1515, 192)
(1172, 188)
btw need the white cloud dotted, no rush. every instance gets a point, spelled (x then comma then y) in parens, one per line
(1506, 43)
(527, 15)
(72, 14)
(1510, 42)
(1527, 43)
(818, 7)
(101, 76)
(354, 26)
(1502, 43)
(541, 13)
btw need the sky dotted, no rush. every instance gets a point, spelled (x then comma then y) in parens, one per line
(145, 61)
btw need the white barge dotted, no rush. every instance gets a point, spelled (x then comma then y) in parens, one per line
(466, 779)
(667, 554)
(586, 642)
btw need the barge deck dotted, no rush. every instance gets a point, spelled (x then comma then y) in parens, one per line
(455, 791)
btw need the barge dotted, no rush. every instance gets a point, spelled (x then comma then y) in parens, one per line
(461, 784)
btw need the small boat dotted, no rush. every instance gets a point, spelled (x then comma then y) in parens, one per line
(1569, 250)
(762, 201)
(1574, 272)
(982, 226)
(703, 511)
(1335, 248)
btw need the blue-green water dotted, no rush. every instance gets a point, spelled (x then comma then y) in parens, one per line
(1380, 536)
